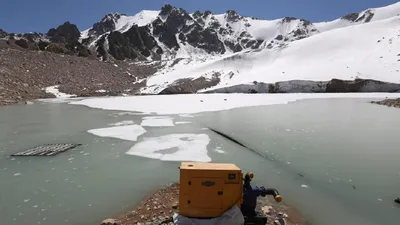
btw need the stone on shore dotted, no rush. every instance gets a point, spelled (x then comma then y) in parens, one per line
(110, 222)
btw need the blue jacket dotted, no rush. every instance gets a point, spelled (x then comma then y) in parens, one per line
(250, 194)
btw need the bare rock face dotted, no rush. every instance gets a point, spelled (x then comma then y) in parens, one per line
(361, 85)
(189, 86)
(366, 17)
(232, 16)
(351, 17)
(65, 33)
(189, 30)
(3, 34)
(135, 43)
(107, 24)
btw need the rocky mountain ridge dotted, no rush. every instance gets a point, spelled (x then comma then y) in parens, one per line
(173, 32)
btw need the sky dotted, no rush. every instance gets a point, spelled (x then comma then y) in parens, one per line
(41, 15)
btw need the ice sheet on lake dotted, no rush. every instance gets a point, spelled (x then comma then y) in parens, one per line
(174, 147)
(130, 132)
(122, 123)
(195, 103)
(156, 121)
(182, 122)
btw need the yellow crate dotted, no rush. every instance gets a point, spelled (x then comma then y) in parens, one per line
(208, 190)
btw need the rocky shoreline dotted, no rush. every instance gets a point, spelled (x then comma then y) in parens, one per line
(159, 208)
(389, 102)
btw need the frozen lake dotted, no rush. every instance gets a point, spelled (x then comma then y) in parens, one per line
(346, 150)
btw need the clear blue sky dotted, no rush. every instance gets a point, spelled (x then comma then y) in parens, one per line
(30, 15)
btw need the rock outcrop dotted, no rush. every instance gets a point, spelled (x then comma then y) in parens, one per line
(65, 33)
(391, 103)
(190, 86)
(107, 24)
(3, 34)
(61, 40)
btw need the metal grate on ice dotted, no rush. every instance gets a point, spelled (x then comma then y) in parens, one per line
(47, 150)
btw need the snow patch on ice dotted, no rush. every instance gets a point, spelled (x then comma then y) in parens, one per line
(174, 147)
(219, 150)
(305, 186)
(130, 132)
(122, 123)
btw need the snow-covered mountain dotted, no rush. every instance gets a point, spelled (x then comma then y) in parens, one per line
(174, 33)
(206, 51)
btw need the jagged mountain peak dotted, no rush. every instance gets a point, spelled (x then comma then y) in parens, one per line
(175, 32)
(3, 34)
(112, 16)
(168, 10)
(67, 32)
(232, 16)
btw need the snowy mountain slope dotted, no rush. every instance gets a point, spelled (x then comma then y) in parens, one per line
(121, 23)
(367, 51)
(369, 15)
(230, 49)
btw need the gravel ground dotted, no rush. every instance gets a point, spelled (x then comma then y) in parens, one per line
(160, 206)
(24, 74)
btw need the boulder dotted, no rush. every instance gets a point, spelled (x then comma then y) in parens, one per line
(110, 222)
